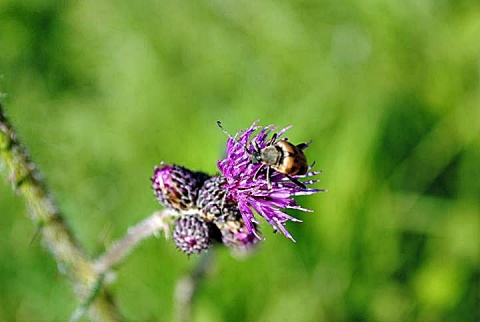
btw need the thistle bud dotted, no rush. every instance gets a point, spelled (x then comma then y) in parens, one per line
(176, 187)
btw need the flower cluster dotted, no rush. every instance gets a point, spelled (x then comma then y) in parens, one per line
(204, 216)
(222, 208)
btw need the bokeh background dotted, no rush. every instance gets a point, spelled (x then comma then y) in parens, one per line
(101, 91)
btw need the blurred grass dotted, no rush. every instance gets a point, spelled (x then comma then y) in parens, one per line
(388, 91)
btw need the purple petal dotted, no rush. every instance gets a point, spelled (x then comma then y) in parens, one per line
(254, 194)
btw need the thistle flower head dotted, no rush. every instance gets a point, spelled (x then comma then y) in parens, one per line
(252, 192)
(192, 234)
(234, 232)
(215, 207)
(177, 187)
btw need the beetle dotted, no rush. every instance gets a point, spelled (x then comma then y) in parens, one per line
(281, 156)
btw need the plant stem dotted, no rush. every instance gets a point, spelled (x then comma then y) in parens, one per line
(56, 235)
(120, 249)
(187, 287)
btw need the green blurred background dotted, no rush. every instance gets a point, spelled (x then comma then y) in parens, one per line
(388, 91)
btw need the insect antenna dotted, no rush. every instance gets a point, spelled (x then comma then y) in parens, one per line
(219, 123)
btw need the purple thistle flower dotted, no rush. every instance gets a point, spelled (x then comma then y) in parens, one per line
(224, 213)
(192, 234)
(251, 191)
(235, 234)
(177, 187)
(203, 215)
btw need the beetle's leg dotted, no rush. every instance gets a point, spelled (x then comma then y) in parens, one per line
(303, 146)
(272, 140)
(295, 181)
(255, 176)
(256, 147)
(269, 183)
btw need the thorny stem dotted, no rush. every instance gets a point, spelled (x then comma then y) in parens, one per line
(86, 276)
(56, 235)
(187, 286)
(120, 249)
